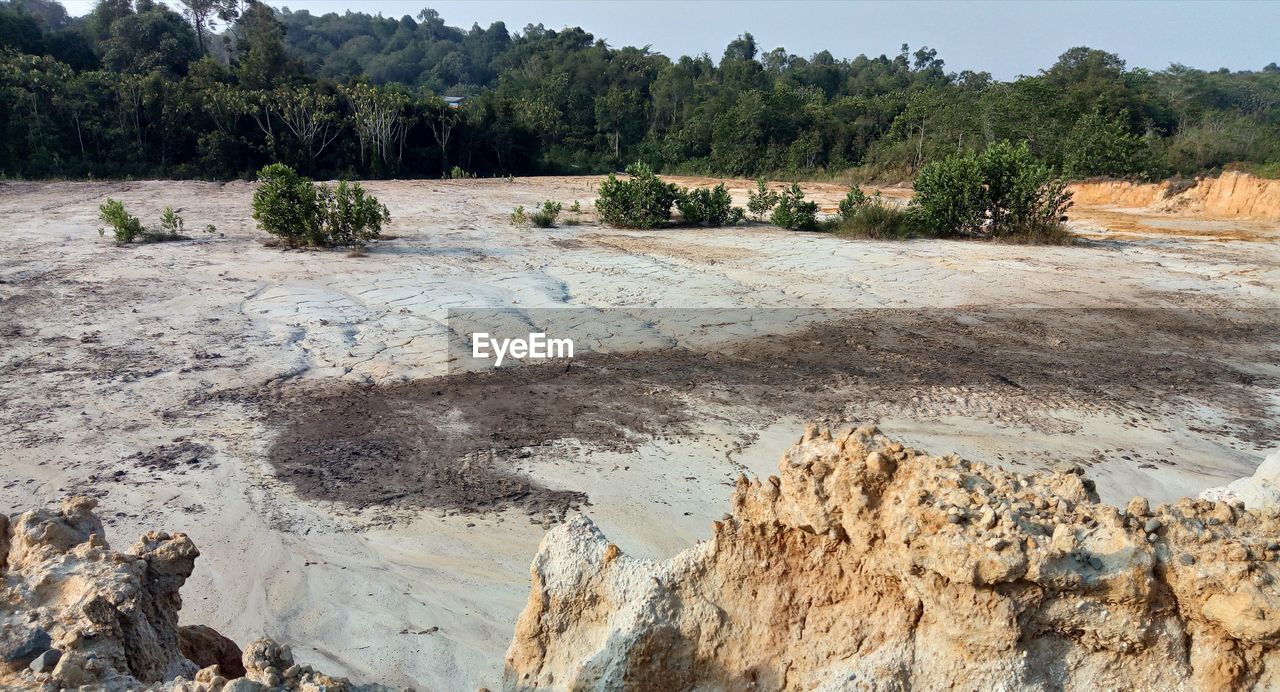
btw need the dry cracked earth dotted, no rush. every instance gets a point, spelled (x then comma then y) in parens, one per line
(302, 416)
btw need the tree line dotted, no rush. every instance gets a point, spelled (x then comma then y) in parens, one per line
(219, 88)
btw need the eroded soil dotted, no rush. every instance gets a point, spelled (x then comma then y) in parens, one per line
(454, 442)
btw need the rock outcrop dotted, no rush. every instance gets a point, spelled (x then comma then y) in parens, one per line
(75, 613)
(865, 565)
(1258, 491)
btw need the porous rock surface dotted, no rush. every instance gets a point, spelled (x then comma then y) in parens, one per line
(76, 614)
(864, 565)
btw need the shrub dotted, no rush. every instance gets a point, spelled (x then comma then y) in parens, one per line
(170, 223)
(300, 212)
(519, 217)
(709, 207)
(124, 226)
(949, 196)
(458, 173)
(1022, 194)
(761, 200)
(349, 216)
(853, 202)
(1002, 192)
(546, 216)
(793, 212)
(286, 206)
(576, 207)
(644, 201)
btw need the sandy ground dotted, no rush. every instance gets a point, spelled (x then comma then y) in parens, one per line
(297, 414)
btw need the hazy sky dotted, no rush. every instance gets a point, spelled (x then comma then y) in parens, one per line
(1004, 38)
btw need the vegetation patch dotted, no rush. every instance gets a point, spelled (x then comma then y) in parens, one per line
(793, 213)
(642, 201)
(303, 214)
(709, 207)
(127, 228)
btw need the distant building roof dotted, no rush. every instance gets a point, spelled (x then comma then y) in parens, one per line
(454, 101)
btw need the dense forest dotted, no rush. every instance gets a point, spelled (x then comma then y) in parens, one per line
(218, 88)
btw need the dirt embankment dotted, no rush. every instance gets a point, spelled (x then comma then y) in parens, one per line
(1232, 195)
(867, 565)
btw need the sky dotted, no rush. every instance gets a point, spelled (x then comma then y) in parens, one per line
(1005, 38)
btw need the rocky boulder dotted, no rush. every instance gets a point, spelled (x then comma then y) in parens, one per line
(867, 565)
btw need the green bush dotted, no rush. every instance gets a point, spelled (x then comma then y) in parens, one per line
(644, 201)
(793, 212)
(300, 212)
(519, 217)
(709, 207)
(286, 205)
(950, 198)
(1004, 192)
(761, 200)
(853, 203)
(546, 216)
(1022, 195)
(171, 225)
(459, 173)
(349, 216)
(124, 226)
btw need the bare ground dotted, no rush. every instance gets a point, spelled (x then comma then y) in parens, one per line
(295, 412)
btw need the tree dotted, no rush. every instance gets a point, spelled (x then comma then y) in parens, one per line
(1101, 145)
(151, 39)
(260, 57)
(380, 121)
(441, 120)
(202, 13)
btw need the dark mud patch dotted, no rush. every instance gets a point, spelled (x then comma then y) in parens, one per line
(179, 457)
(454, 442)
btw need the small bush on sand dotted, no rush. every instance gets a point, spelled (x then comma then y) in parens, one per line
(301, 213)
(709, 207)
(124, 226)
(286, 206)
(793, 212)
(459, 173)
(171, 225)
(546, 216)
(761, 200)
(643, 201)
(349, 216)
(519, 216)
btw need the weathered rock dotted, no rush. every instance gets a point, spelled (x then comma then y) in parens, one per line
(45, 662)
(851, 574)
(112, 618)
(205, 647)
(20, 643)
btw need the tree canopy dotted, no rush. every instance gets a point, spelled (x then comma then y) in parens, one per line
(225, 87)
